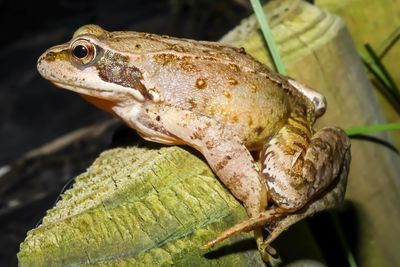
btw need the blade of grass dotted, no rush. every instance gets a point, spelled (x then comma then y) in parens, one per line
(387, 94)
(383, 70)
(342, 239)
(273, 50)
(389, 43)
(384, 86)
(373, 128)
(375, 71)
(375, 140)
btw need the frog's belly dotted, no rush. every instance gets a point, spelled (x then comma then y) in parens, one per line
(255, 131)
(254, 125)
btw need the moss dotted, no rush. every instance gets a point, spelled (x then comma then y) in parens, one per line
(141, 207)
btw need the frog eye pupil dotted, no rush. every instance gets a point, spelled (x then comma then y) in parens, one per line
(80, 51)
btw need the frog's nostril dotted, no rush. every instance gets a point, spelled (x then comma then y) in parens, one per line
(49, 56)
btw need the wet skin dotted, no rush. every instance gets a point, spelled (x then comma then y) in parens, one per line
(222, 102)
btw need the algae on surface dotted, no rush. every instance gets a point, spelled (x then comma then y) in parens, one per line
(141, 207)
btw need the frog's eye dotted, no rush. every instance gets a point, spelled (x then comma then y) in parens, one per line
(82, 52)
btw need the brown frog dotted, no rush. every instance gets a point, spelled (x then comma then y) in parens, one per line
(222, 102)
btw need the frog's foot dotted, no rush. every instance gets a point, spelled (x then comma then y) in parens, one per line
(251, 224)
(275, 222)
(255, 224)
(267, 253)
(331, 199)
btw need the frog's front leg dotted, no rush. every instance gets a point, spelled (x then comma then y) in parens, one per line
(225, 153)
(227, 156)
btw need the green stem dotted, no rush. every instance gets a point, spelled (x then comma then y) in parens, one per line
(385, 73)
(377, 73)
(263, 21)
(343, 241)
(389, 42)
(373, 128)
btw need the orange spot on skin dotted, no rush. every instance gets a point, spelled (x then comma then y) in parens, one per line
(165, 59)
(234, 118)
(212, 111)
(187, 66)
(201, 83)
(227, 94)
(232, 81)
(225, 115)
(250, 122)
(192, 103)
(234, 67)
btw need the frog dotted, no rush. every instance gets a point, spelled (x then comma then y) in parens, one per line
(254, 127)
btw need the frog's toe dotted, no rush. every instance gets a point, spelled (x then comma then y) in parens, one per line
(269, 254)
(268, 217)
(246, 226)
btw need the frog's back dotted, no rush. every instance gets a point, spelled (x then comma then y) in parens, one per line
(221, 82)
(210, 78)
(147, 43)
(140, 43)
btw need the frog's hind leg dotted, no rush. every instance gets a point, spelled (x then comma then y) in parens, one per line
(276, 222)
(299, 165)
(327, 201)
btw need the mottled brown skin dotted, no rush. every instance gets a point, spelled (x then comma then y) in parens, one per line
(222, 102)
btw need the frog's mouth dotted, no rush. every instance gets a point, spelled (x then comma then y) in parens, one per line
(98, 93)
(104, 103)
(115, 93)
(79, 89)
